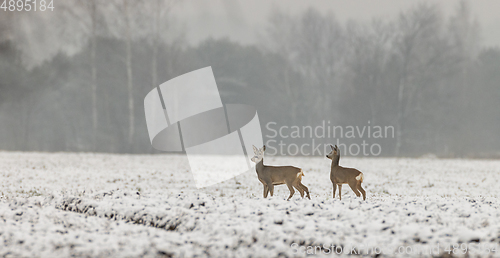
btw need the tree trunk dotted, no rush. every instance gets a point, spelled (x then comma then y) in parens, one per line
(400, 117)
(94, 75)
(154, 64)
(131, 119)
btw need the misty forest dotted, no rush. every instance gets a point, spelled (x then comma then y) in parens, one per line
(75, 79)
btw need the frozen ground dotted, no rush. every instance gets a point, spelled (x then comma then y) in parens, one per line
(57, 205)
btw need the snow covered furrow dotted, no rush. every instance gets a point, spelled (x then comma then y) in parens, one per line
(170, 219)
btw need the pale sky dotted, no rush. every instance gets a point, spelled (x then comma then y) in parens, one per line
(244, 21)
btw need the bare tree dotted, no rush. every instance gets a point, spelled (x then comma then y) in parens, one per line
(422, 52)
(126, 28)
(90, 21)
(463, 31)
(313, 44)
(89, 15)
(366, 65)
(130, 87)
(93, 15)
(162, 30)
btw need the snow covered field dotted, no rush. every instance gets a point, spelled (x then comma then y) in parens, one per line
(66, 204)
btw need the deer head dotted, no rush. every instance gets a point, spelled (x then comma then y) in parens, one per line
(259, 154)
(334, 153)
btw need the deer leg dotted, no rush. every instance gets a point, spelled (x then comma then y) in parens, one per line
(290, 187)
(271, 187)
(358, 185)
(354, 188)
(299, 188)
(340, 191)
(266, 189)
(306, 189)
(334, 189)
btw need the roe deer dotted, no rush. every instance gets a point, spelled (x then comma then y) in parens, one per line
(340, 175)
(270, 176)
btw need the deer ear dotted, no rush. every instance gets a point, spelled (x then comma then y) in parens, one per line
(255, 150)
(331, 146)
(264, 148)
(336, 147)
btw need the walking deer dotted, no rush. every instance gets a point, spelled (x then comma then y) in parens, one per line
(341, 175)
(270, 176)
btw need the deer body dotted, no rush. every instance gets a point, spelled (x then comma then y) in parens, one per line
(270, 176)
(340, 175)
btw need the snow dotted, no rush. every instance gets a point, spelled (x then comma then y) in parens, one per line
(86, 204)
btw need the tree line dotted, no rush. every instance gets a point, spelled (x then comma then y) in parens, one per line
(76, 81)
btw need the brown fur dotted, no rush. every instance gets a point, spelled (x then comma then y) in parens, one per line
(270, 176)
(340, 175)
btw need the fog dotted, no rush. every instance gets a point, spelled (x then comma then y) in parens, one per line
(411, 79)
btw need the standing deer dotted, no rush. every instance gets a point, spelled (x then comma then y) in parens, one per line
(341, 175)
(270, 176)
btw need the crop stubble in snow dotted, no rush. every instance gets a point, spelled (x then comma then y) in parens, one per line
(147, 205)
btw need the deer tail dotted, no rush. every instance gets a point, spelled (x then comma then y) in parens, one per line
(300, 174)
(360, 177)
